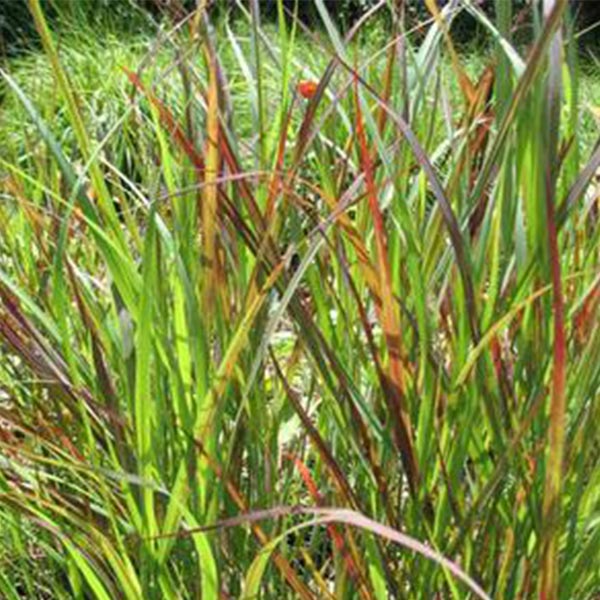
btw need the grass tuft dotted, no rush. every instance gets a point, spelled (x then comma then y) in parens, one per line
(300, 314)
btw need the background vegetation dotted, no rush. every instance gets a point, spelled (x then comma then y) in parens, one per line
(297, 306)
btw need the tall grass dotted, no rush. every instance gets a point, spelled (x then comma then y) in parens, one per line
(332, 344)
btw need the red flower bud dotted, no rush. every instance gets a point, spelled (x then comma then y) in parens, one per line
(307, 89)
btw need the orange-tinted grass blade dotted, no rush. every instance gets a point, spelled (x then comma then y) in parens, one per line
(450, 220)
(394, 391)
(466, 86)
(368, 330)
(210, 226)
(332, 530)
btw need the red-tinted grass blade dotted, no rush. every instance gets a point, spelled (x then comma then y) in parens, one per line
(394, 391)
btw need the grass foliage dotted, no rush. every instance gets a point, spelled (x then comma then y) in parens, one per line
(331, 341)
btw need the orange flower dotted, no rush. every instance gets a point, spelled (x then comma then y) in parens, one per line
(307, 89)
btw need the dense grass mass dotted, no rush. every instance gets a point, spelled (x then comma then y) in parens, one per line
(291, 313)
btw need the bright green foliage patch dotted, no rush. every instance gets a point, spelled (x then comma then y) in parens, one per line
(255, 277)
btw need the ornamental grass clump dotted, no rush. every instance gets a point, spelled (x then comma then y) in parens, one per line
(318, 328)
